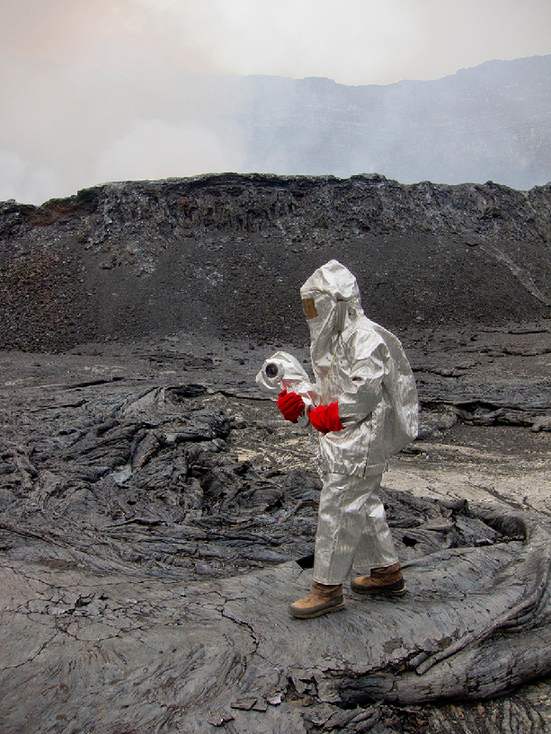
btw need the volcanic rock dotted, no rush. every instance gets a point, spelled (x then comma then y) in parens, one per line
(226, 254)
(157, 515)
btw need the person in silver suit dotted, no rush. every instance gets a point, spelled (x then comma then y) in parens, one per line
(366, 411)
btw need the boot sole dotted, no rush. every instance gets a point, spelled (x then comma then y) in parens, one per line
(379, 592)
(315, 612)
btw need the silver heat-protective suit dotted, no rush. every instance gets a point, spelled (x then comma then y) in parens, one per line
(361, 366)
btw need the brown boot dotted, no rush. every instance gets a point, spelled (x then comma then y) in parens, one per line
(321, 600)
(387, 581)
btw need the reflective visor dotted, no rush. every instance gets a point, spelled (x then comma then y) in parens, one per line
(309, 307)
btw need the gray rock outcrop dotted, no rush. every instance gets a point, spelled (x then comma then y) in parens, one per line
(226, 254)
(146, 568)
(156, 516)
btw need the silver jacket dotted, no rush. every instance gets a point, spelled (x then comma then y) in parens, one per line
(363, 367)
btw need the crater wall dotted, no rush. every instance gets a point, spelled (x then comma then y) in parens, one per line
(226, 254)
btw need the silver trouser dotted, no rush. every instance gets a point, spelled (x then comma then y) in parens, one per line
(352, 529)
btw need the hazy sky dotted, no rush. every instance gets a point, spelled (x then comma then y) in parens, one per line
(86, 85)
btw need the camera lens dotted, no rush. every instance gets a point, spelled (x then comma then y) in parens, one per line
(271, 370)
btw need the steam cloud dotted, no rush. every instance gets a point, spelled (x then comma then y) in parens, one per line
(157, 149)
(99, 90)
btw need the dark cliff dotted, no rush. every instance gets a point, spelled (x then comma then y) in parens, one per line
(226, 254)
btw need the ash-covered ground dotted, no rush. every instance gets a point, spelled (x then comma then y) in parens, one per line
(157, 515)
(139, 479)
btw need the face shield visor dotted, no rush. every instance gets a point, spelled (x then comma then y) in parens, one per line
(309, 308)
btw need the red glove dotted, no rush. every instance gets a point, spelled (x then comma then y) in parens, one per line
(291, 405)
(325, 418)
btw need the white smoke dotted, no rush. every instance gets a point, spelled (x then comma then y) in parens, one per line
(22, 181)
(157, 149)
(96, 90)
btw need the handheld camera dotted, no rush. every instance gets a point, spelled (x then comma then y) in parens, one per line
(282, 371)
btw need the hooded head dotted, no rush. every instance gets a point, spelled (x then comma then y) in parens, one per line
(331, 300)
(332, 278)
(326, 287)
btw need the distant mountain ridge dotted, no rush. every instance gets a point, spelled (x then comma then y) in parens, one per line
(490, 122)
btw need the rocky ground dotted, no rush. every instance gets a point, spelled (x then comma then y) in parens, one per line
(157, 516)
